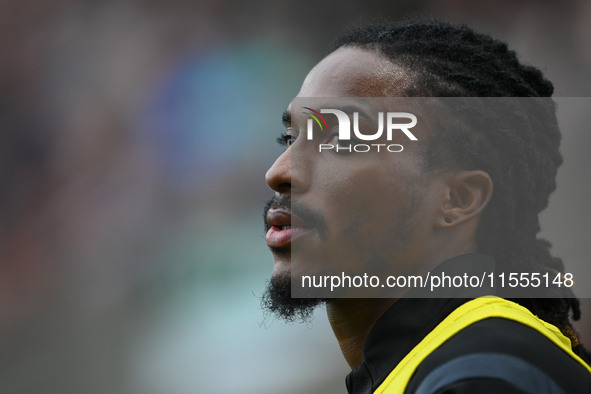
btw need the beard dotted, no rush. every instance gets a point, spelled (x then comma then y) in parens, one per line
(277, 301)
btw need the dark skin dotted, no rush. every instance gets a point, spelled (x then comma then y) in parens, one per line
(444, 223)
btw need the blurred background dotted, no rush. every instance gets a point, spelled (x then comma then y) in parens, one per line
(134, 137)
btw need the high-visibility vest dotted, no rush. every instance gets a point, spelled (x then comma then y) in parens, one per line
(467, 314)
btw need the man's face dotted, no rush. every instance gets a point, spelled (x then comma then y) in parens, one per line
(373, 208)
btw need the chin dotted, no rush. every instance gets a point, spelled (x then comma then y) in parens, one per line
(281, 266)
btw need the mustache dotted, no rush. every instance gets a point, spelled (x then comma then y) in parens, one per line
(310, 216)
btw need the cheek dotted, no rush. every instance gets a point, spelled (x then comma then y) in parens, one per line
(363, 202)
(367, 221)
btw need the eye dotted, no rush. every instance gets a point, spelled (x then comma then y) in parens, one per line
(286, 139)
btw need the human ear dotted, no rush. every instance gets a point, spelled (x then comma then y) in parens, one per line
(467, 194)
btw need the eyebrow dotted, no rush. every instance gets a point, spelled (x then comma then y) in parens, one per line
(349, 109)
(286, 118)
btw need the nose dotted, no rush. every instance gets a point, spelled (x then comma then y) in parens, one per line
(283, 177)
(278, 177)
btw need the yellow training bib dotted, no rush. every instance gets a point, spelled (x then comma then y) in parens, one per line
(467, 314)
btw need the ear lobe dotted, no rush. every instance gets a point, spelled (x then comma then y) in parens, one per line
(469, 192)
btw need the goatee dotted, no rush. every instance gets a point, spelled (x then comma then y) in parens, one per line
(277, 301)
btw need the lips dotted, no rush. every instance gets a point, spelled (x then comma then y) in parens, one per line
(282, 231)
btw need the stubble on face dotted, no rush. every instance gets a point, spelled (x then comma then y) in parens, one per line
(277, 299)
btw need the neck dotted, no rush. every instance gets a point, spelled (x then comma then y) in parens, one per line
(352, 320)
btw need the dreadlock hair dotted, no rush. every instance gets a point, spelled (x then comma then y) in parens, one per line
(454, 61)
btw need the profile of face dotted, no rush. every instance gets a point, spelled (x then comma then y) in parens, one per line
(381, 208)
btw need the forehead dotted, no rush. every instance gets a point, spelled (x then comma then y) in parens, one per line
(355, 72)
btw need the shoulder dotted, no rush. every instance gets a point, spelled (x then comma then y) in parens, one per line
(499, 355)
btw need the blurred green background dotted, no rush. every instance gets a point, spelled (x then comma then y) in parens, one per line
(134, 138)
